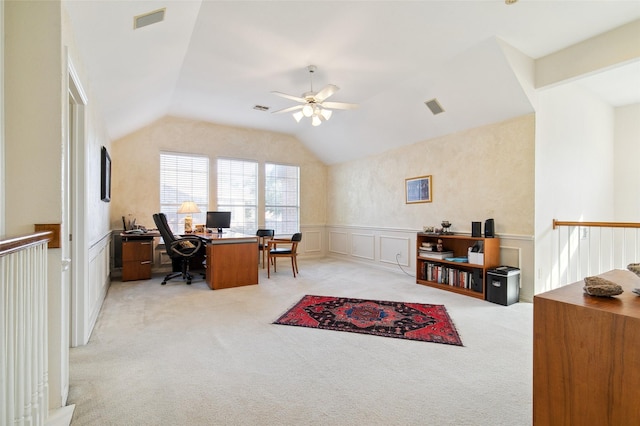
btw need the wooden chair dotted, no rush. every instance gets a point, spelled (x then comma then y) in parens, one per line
(289, 251)
(264, 235)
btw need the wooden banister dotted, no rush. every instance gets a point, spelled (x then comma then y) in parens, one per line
(14, 244)
(557, 223)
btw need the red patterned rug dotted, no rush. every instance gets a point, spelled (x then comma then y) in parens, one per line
(411, 321)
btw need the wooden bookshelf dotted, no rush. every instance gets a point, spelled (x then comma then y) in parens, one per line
(474, 284)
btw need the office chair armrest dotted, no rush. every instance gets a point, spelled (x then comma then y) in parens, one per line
(186, 246)
(275, 241)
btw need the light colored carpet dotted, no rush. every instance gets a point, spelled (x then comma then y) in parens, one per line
(186, 355)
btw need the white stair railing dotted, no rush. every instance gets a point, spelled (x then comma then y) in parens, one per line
(591, 248)
(24, 390)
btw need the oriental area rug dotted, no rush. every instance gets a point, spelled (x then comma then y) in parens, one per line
(411, 321)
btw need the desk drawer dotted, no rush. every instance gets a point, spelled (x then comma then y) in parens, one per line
(137, 250)
(136, 270)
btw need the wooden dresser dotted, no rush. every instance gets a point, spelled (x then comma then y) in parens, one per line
(586, 355)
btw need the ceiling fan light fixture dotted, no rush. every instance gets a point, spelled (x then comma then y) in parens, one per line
(313, 103)
(298, 116)
(307, 110)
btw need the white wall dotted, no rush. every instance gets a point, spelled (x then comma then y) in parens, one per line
(2, 166)
(34, 152)
(574, 169)
(91, 225)
(35, 134)
(627, 164)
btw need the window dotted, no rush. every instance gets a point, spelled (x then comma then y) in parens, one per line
(183, 177)
(238, 193)
(282, 198)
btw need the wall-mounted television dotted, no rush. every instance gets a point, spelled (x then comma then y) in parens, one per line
(218, 221)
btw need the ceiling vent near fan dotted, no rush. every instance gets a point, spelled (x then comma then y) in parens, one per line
(148, 18)
(434, 106)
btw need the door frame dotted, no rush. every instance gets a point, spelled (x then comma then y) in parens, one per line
(76, 117)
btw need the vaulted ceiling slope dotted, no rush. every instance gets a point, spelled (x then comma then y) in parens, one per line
(216, 60)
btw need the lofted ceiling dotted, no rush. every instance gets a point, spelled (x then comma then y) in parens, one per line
(215, 60)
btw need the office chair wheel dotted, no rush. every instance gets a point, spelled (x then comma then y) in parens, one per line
(188, 282)
(163, 283)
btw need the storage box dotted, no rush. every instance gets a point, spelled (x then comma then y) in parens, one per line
(503, 285)
(475, 257)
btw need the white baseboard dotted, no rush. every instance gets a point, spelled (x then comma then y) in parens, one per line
(60, 416)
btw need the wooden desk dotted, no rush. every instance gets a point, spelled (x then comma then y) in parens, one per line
(585, 355)
(137, 255)
(232, 260)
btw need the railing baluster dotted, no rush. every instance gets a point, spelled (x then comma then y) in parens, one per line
(23, 330)
(612, 254)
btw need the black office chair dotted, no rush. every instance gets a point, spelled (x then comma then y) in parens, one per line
(290, 251)
(180, 249)
(264, 235)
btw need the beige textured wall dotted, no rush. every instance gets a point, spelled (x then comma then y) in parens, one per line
(486, 172)
(136, 165)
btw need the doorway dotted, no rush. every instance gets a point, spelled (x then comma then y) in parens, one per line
(76, 206)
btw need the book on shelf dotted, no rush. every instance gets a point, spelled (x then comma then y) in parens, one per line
(449, 275)
(435, 254)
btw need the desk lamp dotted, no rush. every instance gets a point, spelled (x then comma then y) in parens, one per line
(188, 207)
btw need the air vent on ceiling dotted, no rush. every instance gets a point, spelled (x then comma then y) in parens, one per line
(261, 108)
(434, 106)
(148, 18)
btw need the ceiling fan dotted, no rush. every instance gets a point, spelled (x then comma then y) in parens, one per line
(313, 104)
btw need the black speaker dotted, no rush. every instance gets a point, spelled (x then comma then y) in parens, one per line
(476, 229)
(489, 231)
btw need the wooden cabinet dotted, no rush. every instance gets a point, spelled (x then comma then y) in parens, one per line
(137, 257)
(585, 355)
(460, 277)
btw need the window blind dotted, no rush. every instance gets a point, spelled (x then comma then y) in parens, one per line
(183, 177)
(282, 198)
(238, 193)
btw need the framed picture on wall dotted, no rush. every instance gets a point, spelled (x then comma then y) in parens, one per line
(418, 189)
(105, 176)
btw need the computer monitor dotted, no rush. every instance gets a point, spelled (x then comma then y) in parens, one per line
(218, 220)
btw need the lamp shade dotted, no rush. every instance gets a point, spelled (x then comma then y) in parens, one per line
(307, 110)
(189, 207)
(298, 116)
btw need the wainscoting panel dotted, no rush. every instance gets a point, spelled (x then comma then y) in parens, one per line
(510, 256)
(312, 242)
(518, 251)
(99, 279)
(379, 246)
(338, 242)
(374, 246)
(363, 246)
(390, 246)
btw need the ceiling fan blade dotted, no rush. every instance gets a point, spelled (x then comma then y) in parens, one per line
(293, 98)
(339, 105)
(326, 91)
(293, 108)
